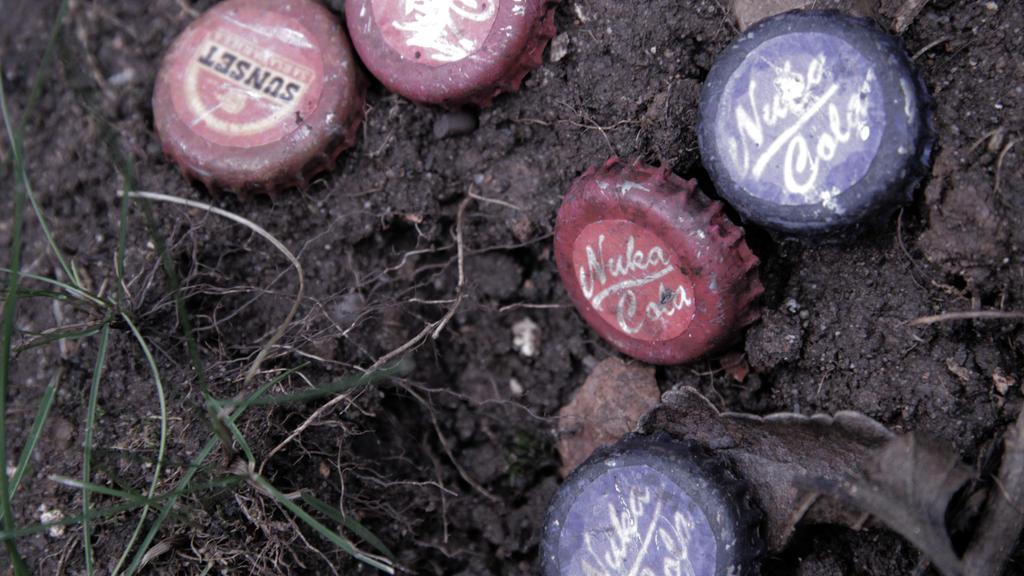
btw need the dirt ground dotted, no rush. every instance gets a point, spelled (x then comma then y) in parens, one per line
(453, 465)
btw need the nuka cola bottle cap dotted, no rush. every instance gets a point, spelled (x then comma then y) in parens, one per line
(450, 52)
(258, 95)
(652, 265)
(815, 124)
(651, 505)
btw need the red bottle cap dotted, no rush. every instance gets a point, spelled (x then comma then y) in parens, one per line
(654, 266)
(258, 95)
(450, 52)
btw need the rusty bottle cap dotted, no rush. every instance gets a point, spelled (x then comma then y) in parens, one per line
(258, 95)
(450, 52)
(652, 265)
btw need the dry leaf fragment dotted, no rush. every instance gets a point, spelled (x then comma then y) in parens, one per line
(1002, 381)
(735, 364)
(748, 12)
(604, 409)
(1003, 520)
(961, 372)
(903, 12)
(906, 482)
(773, 453)
(908, 485)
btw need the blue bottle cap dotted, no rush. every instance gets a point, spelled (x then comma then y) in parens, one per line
(815, 124)
(651, 505)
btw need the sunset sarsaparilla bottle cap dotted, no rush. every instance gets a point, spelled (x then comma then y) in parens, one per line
(652, 505)
(258, 95)
(815, 124)
(450, 52)
(652, 265)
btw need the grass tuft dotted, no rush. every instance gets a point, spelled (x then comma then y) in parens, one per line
(110, 322)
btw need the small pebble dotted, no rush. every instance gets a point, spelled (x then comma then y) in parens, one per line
(559, 47)
(458, 123)
(526, 337)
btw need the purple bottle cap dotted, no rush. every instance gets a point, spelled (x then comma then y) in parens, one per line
(815, 123)
(651, 505)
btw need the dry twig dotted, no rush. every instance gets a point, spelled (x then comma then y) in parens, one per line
(999, 162)
(968, 315)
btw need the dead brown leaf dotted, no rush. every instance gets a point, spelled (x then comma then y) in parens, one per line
(1003, 520)
(773, 453)
(862, 469)
(748, 12)
(908, 485)
(604, 409)
(735, 365)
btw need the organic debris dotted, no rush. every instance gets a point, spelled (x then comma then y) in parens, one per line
(907, 482)
(606, 407)
(774, 452)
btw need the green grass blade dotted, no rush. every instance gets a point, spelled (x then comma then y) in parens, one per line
(71, 289)
(45, 403)
(171, 274)
(165, 510)
(132, 502)
(11, 535)
(197, 463)
(44, 64)
(239, 409)
(25, 188)
(90, 426)
(68, 269)
(253, 399)
(45, 339)
(349, 523)
(237, 435)
(26, 292)
(93, 488)
(158, 467)
(7, 331)
(330, 389)
(335, 538)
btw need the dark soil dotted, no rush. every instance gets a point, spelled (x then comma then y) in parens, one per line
(453, 465)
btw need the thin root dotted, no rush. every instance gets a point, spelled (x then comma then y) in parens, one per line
(929, 46)
(969, 315)
(279, 332)
(433, 330)
(451, 457)
(999, 162)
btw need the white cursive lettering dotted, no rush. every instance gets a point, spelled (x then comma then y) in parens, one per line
(794, 101)
(622, 548)
(432, 25)
(622, 274)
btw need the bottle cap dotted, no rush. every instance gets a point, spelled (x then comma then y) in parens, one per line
(652, 265)
(815, 124)
(651, 505)
(450, 52)
(258, 95)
